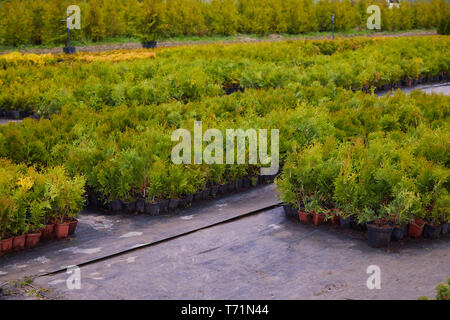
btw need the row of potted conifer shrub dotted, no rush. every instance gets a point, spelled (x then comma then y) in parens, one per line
(189, 74)
(36, 205)
(396, 183)
(159, 206)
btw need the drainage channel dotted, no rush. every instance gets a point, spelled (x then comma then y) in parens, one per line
(154, 243)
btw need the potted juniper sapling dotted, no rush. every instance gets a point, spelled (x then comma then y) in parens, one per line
(433, 225)
(291, 201)
(313, 207)
(20, 225)
(402, 209)
(66, 199)
(305, 214)
(150, 25)
(36, 214)
(6, 215)
(155, 186)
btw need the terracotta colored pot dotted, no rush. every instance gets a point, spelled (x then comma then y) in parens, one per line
(32, 240)
(6, 245)
(19, 242)
(416, 228)
(73, 226)
(48, 232)
(305, 217)
(62, 230)
(319, 218)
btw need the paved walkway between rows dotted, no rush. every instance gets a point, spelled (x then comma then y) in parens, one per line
(263, 256)
(100, 235)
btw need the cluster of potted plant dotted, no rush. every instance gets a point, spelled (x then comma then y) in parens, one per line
(124, 152)
(36, 206)
(117, 134)
(383, 185)
(158, 205)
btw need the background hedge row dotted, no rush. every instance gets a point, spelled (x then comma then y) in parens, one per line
(39, 21)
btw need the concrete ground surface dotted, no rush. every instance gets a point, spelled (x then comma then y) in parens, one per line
(100, 235)
(263, 256)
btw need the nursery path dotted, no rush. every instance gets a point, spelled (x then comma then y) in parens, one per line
(5, 121)
(263, 256)
(100, 235)
(241, 39)
(441, 87)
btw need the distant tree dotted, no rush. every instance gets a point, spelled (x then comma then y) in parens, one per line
(114, 18)
(222, 17)
(55, 30)
(37, 23)
(94, 25)
(15, 22)
(151, 20)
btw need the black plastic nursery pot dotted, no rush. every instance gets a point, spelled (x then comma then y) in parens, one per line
(92, 200)
(115, 206)
(231, 186)
(12, 114)
(379, 237)
(345, 222)
(357, 226)
(246, 182)
(214, 191)
(164, 206)
(444, 229)
(290, 211)
(173, 204)
(198, 196)
(149, 44)
(432, 231)
(186, 201)
(261, 180)
(239, 184)
(140, 206)
(129, 206)
(269, 178)
(223, 188)
(206, 193)
(69, 50)
(152, 209)
(232, 88)
(399, 232)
